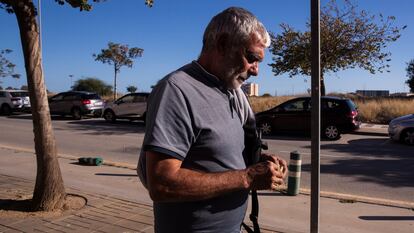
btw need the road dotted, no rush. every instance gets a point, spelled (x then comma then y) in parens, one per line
(367, 165)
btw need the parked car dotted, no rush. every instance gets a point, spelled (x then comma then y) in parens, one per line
(131, 106)
(76, 104)
(402, 129)
(14, 101)
(338, 115)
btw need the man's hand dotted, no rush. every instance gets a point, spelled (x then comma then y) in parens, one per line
(268, 174)
(278, 161)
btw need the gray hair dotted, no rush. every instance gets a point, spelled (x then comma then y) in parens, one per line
(236, 23)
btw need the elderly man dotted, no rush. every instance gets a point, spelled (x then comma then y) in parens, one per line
(192, 155)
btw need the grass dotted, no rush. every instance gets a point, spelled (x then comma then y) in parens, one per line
(371, 110)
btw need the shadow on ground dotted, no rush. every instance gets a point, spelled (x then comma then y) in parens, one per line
(16, 205)
(93, 126)
(371, 160)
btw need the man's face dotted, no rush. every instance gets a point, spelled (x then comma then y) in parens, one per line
(240, 64)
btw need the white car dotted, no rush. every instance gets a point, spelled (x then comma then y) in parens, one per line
(14, 101)
(402, 129)
(132, 106)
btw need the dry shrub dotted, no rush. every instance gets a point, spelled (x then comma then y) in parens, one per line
(382, 110)
(260, 104)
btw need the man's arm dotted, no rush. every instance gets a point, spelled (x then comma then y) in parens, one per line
(169, 182)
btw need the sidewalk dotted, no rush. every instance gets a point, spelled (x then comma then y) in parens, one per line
(118, 203)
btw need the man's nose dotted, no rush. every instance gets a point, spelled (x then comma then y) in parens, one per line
(254, 69)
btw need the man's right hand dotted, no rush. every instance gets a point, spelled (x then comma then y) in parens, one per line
(265, 175)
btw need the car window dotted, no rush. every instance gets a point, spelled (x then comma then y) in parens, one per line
(351, 105)
(71, 97)
(139, 99)
(19, 94)
(126, 99)
(296, 106)
(57, 97)
(330, 104)
(91, 96)
(2, 94)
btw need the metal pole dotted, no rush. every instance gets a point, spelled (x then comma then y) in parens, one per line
(316, 116)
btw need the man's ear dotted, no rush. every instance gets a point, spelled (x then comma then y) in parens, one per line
(223, 44)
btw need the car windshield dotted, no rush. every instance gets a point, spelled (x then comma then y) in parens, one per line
(19, 94)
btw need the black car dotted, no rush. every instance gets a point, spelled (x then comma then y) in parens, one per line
(76, 104)
(338, 115)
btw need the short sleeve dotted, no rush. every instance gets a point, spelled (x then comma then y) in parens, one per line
(168, 124)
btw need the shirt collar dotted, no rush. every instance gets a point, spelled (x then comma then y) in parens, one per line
(210, 77)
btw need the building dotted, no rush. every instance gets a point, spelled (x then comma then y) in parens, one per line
(373, 93)
(251, 89)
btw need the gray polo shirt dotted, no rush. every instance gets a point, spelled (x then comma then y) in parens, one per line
(191, 117)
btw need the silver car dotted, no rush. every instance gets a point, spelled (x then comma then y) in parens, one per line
(402, 129)
(76, 103)
(14, 101)
(132, 106)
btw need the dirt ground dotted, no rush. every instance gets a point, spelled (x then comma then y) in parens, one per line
(16, 204)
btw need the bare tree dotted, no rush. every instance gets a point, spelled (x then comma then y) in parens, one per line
(118, 55)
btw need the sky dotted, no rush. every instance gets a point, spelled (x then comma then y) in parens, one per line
(171, 35)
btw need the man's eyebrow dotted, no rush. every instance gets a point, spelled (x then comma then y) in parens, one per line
(256, 56)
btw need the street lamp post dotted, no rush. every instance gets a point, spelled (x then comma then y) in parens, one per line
(71, 83)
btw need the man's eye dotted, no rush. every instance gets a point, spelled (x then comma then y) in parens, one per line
(251, 57)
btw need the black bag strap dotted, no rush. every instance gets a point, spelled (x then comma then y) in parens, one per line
(253, 147)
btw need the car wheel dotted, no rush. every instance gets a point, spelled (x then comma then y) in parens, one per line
(109, 116)
(266, 128)
(408, 137)
(76, 113)
(331, 132)
(6, 110)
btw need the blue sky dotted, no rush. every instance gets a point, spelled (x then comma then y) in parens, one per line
(171, 33)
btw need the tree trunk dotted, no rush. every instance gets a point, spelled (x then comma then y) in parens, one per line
(116, 71)
(49, 192)
(323, 92)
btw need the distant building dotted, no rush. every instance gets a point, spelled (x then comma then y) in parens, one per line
(251, 89)
(373, 93)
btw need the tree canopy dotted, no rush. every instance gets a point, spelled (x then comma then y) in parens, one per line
(132, 88)
(349, 39)
(410, 75)
(7, 67)
(92, 85)
(118, 55)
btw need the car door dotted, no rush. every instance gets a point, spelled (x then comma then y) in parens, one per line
(293, 115)
(123, 106)
(332, 113)
(139, 104)
(55, 104)
(70, 101)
